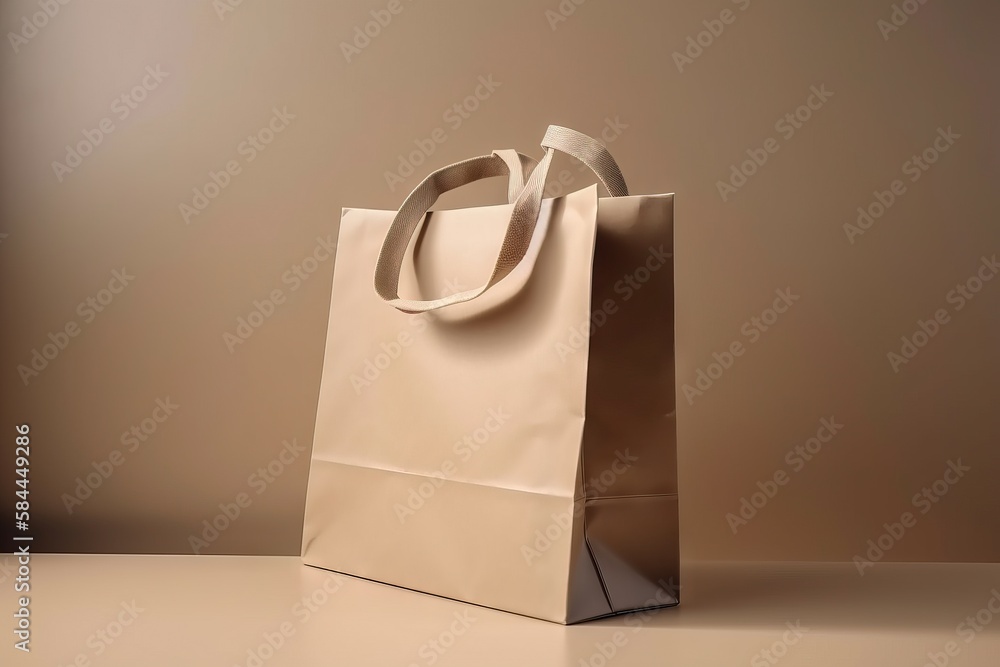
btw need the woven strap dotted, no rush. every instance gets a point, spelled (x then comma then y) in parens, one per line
(519, 166)
(523, 219)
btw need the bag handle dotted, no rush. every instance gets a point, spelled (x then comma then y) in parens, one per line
(590, 152)
(519, 166)
(524, 217)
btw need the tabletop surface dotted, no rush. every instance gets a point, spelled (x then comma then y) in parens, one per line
(147, 611)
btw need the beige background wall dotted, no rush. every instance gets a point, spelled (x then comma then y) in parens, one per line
(162, 335)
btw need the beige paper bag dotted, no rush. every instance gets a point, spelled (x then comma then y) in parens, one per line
(513, 444)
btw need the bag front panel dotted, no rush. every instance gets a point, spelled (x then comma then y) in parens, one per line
(445, 442)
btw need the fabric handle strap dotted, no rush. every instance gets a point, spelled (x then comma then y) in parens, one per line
(524, 217)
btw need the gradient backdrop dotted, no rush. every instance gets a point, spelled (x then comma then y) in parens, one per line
(166, 164)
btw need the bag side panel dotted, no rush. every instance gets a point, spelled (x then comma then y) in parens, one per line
(630, 445)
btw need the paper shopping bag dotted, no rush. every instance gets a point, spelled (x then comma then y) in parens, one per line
(496, 414)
